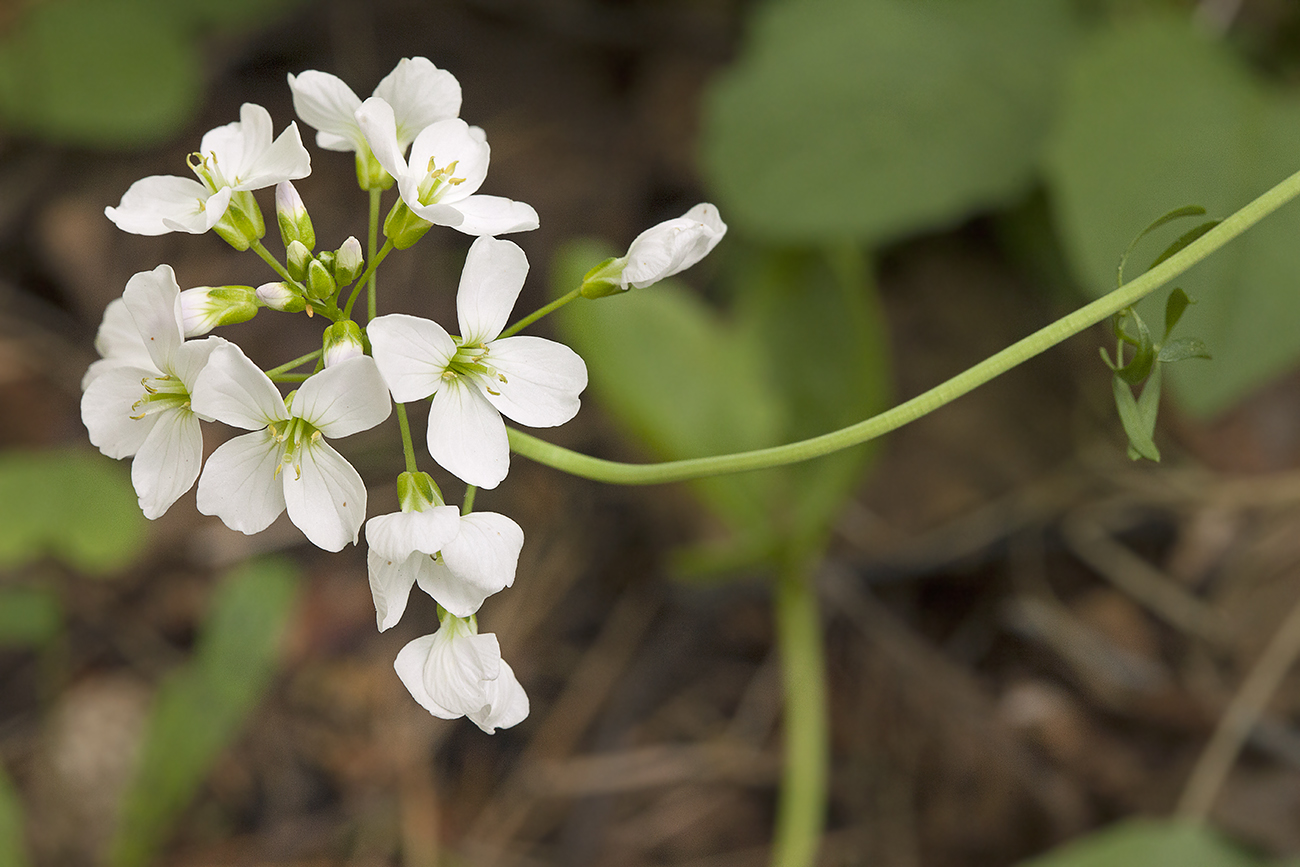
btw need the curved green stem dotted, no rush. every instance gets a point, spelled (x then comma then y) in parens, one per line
(1127, 295)
(801, 807)
(540, 312)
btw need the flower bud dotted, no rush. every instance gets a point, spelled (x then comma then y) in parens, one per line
(342, 341)
(404, 227)
(205, 307)
(348, 262)
(320, 283)
(326, 258)
(297, 258)
(291, 214)
(672, 246)
(242, 224)
(281, 296)
(417, 492)
(605, 279)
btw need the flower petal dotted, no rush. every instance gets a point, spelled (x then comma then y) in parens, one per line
(446, 142)
(106, 410)
(327, 104)
(390, 583)
(375, 117)
(466, 435)
(490, 282)
(420, 94)
(458, 664)
(673, 246)
(234, 390)
(493, 215)
(239, 483)
(412, 354)
(409, 666)
(542, 380)
(154, 300)
(168, 461)
(397, 534)
(479, 561)
(325, 496)
(160, 204)
(344, 398)
(507, 703)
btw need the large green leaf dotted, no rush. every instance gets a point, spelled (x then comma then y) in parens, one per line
(201, 708)
(1158, 116)
(870, 119)
(1143, 843)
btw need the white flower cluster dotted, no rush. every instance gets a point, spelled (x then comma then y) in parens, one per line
(153, 386)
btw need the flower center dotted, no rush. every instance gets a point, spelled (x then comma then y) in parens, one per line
(471, 362)
(437, 181)
(161, 393)
(205, 166)
(294, 436)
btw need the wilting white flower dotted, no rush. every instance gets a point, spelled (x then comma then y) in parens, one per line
(448, 163)
(457, 672)
(285, 462)
(141, 405)
(672, 246)
(477, 378)
(419, 92)
(234, 158)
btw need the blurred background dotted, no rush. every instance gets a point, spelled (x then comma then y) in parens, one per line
(1029, 636)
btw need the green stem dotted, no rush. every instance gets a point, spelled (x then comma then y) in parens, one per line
(801, 807)
(366, 276)
(539, 313)
(290, 365)
(372, 243)
(468, 505)
(408, 446)
(1127, 295)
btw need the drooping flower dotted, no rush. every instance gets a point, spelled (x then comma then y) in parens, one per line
(673, 246)
(447, 165)
(141, 406)
(285, 461)
(458, 560)
(232, 159)
(478, 377)
(458, 672)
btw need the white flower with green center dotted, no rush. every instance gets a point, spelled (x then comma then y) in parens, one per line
(231, 160)
(476, 378)
(285, 461)
(457, 672)
(439, 183)
(138, 403)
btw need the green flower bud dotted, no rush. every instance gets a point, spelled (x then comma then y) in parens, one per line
(348, 262)
(604, 279)
(205, 307)
(291, 214)
(417, 491)
(281, 296)
(320, 283)
(343, 341)
(242, 224)
(404, 227)
(298, 258)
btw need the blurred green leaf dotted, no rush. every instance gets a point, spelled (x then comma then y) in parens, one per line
(12, 853)
(1164, 219)
(29, 616)
(1142, 843)
(871, 119)
(1157, 114)
(1182, 349)
(1139, 422)
(73, 504)
(100, 73)
(200, 709)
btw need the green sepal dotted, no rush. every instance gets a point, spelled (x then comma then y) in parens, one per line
(348, 262)
(320, 282)
(417, 491)
(292, 217)
(297, 259)
(370, 174)
(604, 279)
(242, 224)
(404, 227)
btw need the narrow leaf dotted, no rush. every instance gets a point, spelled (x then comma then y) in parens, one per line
(1174, 308)
(1169, 217)
(1144, 349)
(1183, 240)
(1140, 442)
(1183, 348)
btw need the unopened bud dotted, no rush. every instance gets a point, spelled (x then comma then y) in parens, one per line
(348, 262)
(291, 214)
(342, 341)
(320, 283)
(297, 258)
(242, 223)
(203, 308)
(417, 492)
(605, 279)
(326, 258)
(404, 227)
(281, 296)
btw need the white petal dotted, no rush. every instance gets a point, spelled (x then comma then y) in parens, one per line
(420, 94)
(466, 435)
(118, 336)
(672, 246)
(375, 117)
(479, 561)
(190, 359)
(239, 483)
(160, 204)
(493, 215)
(344, 398)
(327, 499)
(168, 461)
(452, 141)
(397, 534)
(233, 389)
(458, 667)
(327, 104)
(106, 410)
(285, 160)
(390, 583)
(153, 298)
(494, 273)
(507, 702)
(412, 354)
(542, 380)
(409, 666)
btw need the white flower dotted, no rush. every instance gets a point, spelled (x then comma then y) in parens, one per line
(285, 462)
(118, 340)
(672, 246)
(419, 93)
(457, 672)
(459, 561)
(448, 163)
(476, 378)
(140, 404)
(233, 158)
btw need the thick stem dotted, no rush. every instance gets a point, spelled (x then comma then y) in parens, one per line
(1127, 295)
(801, 808)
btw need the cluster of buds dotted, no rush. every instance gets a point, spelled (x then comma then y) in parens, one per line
(159, 377)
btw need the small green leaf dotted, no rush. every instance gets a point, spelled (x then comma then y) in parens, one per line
(1142, 843)
(1177, 303)
(1144, 355)
(1163, 219)
(1183, 240)
(1183, 348)
(1134, 420)
(29, 616)
(203, 705)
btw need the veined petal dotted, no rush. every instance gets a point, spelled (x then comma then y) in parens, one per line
(409, 666)
(673, 246)
(344, 398)
(375, 117)
(397, 534)
(390, 583)
(154, 300)
(412, 354)
(457, 667)
(168, 461)
(236, 145)
(478, 562)
(493, 215)
(118, 335)
(490, 282)
(285, 160)
(446, 142)
(420, 94)
(190, 359)
(325, 496)
(233, 389)
(327, 104)
(106, 410)
(160, 204)
(507, 703)
(542, 380)
(466, 435)
(239, 484)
